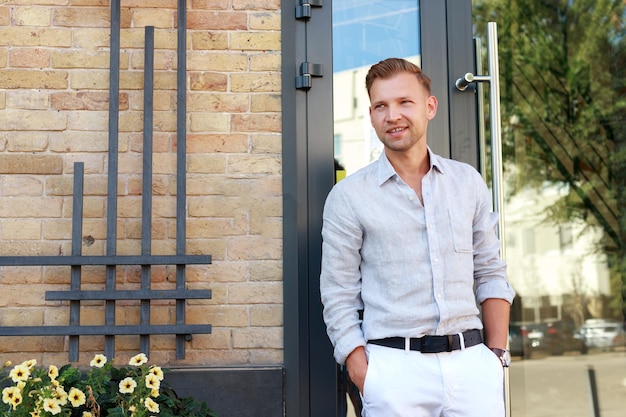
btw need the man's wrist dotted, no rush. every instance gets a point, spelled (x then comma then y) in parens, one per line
(504, 355)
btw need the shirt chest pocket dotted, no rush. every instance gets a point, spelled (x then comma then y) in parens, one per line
(461, 231)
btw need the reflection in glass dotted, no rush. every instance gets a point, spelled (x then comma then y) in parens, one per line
(364, 33)
(563, 122)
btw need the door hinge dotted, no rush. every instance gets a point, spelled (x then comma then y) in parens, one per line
(308, 70)
(303, 10)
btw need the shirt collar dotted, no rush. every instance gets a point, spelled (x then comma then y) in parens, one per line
(386, 171)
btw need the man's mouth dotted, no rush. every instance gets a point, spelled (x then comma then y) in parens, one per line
(396, 129)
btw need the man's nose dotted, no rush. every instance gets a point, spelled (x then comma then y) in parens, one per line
(393, 113)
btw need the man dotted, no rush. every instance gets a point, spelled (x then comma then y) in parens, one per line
(410, 251)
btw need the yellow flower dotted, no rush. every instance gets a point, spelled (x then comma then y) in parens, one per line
(77, 397)
(30, 363)
(16, 400)
(98, 361)
(127, 385)
(35, 413)
(19, 373)
(157, 371)
(9, 393)
(154, 393)
(152, 382)
(53, 372)
(21, 385)
(152, 406)
(87, 414)
(52, 406)
(7, 363)
(61, 395)
(138, 360)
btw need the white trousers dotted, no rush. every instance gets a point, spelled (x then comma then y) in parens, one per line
(462, 383)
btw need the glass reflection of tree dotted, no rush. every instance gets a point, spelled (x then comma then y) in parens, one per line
(563, 86)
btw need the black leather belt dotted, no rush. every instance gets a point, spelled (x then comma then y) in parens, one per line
(433, 344)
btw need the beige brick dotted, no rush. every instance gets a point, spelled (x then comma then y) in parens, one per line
(164, 163)
(5, 16)
(90, 39)
(21, 185)
(89, 121)
(26, 207)
(257, 338)
(255, 82)
(229, 143)
(206, 164)
(163, 80)
(216, 20)
(208, 81)
(265, 21)
(3, 59)
(210, 4)
(29, 58)
(57, 229)
(18, 141)
(32, 16)
(33, 79)
(256, 4)
(266, 315)
(14, 295)
(219, 102)
(163, 60)
(90, 80)
(255, 41)
(254, 164)
(13, 276)
(266, 143)
(21, 229)
(59, 185)
(209, 40)
(30, 248)
(256, 123)
(26, 36)
(215, 61)
(270, 61)
(266, 270)
(153, 17)
(79, 142)
(218, 315)
(254, 247)
(80, 59)
(209, 122)
(86, 100)
(93, 163)
(22, 317)
(30, 164)
(213, 228)
(265, 103)
(27, 100)
(81, 17)
(266, 356)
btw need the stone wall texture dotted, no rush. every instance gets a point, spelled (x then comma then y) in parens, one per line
(54, 101)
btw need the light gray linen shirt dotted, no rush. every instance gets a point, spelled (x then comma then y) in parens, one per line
(414, 269)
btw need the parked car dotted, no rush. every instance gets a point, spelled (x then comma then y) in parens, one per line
(518, 341)
(602, 334)
(554, 337)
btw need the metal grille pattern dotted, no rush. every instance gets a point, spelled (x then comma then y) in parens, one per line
(111, 260)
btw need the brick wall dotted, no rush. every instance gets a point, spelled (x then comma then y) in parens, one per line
(54, 75)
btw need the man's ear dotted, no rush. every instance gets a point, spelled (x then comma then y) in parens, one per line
(431, 103)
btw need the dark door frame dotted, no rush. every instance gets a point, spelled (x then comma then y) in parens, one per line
(311, 388)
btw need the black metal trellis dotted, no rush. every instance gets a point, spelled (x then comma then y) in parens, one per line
(111, 260)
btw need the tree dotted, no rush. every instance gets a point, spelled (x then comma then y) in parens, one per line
(564, 111)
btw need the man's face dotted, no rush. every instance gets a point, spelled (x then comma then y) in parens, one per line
(400, 110)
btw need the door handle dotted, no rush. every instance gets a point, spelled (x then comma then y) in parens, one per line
(493, 78)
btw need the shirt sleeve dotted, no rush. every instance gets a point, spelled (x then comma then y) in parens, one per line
(340, 279)
(489, 267)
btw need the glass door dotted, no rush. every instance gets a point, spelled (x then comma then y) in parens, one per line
(364, 33)
(562, 100)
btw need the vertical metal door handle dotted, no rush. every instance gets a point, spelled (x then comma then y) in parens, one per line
(496, 147)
